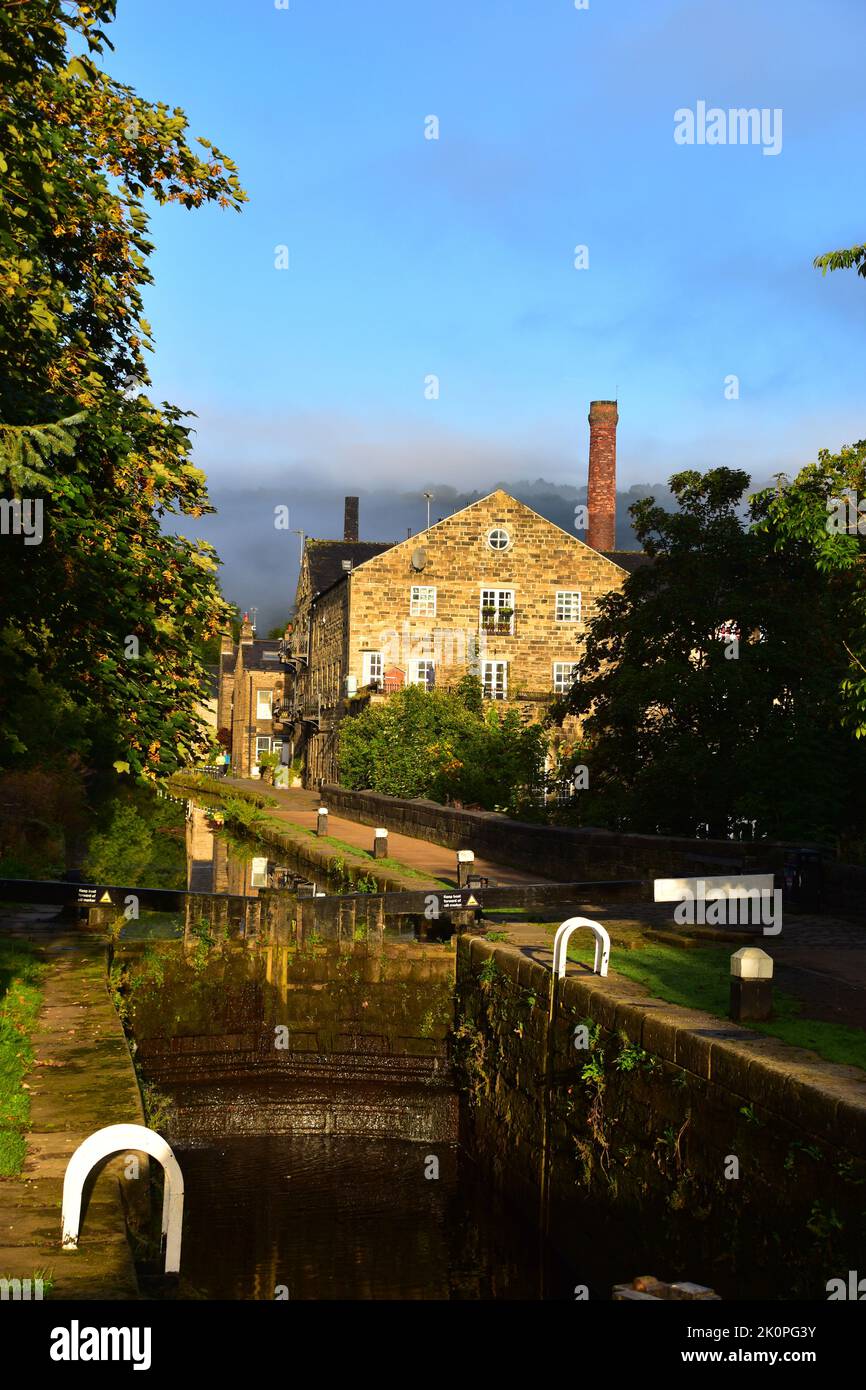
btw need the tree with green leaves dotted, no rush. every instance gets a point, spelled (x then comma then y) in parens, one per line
(104, 619)
(849, 258)
(821, 514)
(444, 745)
(709, 689)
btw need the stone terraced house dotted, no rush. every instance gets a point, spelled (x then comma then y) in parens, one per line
(252, 681)
(494, 589)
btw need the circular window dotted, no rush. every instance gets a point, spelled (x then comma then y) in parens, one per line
(498, 539)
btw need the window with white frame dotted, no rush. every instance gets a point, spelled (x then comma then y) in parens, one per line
(498, 538)
(259, 872)
(422, 672)
(497, 610)
(263, 745)
(565, 673)
(264, 703)
(494, 679)
(422, 601)
(568, 605)
(371, 667)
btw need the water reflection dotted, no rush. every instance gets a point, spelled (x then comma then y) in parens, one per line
(299, 1062)
(324, 1218)
(330, 1036)
(219, 861)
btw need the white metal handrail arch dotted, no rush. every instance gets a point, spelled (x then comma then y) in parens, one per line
(118, 1139)
(560, 945)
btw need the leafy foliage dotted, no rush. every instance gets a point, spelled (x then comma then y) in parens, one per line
(80, 155)
(42, 813)
(852, 258)
(797, 516)
(443, 745)
(139, 839)
(687, 733)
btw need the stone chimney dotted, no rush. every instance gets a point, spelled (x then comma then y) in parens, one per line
(246, 629)
(227, 642)
(601, 489)
(350, 519)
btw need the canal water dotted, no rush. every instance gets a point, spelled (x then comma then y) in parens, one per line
(307, 1090)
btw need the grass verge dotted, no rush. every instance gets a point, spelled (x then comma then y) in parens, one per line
(20, 998)
(700, 979)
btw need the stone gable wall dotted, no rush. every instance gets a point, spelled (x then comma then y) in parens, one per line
(245, 725)
(540, 560)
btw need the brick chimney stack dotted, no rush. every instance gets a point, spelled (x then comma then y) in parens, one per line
(601, 490)
(350, 519)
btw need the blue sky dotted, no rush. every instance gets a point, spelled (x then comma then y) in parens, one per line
(455, 257)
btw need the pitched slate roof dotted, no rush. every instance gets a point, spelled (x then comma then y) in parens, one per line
(629, 560)
(325, 559)
(255, 658)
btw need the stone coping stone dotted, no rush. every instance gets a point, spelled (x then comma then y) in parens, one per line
(825, 1099)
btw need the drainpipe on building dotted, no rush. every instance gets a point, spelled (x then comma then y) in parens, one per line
(252, 729)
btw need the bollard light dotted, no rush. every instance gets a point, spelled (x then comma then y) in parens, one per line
(322, 821)
(465, 865)
(751, 984)
(380, 844)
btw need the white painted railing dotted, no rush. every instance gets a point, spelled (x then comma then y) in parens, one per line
(560, 945)
(118, 1139)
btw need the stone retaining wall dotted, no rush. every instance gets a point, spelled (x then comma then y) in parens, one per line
(566, 853)
(638, 1134)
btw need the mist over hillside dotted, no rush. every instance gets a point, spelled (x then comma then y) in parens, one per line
(260, 562)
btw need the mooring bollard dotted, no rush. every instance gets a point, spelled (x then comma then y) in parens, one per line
(751, 984)
(380, 844)
(465, 866)
(322, 821)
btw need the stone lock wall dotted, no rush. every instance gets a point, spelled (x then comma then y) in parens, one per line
(708, 1152)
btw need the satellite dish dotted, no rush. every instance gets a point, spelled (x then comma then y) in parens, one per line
(419, 558)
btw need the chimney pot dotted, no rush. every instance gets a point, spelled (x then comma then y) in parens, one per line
(350, 519)
(601, 488)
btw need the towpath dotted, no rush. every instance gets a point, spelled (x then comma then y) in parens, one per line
(298, 806)
(82, 1079)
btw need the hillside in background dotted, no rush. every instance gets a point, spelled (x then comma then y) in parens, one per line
(260, 563)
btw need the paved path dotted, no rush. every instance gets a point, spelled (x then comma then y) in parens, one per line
(822, 960)
(819, 959)
(298, 806)
(82, 1079)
